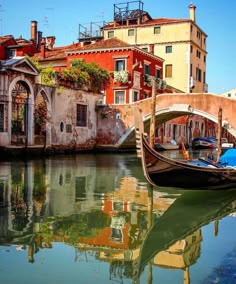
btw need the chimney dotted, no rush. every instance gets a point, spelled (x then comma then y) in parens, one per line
(151, 48)
(43, 47)
(50, 42)
(34, 31)
(192, 12)
(40, 35)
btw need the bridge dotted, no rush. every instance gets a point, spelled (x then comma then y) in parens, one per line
(169, 106)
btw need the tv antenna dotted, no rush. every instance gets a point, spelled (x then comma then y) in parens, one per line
(49, 23)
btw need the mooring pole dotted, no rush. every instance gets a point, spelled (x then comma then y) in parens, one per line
(219, 134)
(153, 113)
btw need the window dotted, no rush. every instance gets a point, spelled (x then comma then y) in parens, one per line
(168, 70)
(110, 34)
(191, 49)
(204, 77)
(157, 30)
(135, 96)
(199, 35)
(158, 73)
(199, 74)
(11, 53)
(145, 48)
(145, 95)
(169, 49)
(119, 97)
(81, 119)
(146, 69)
(198, 54)
(131, 32)
(120, 65)
(1, 117)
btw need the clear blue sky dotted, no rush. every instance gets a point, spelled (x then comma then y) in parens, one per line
(61, 18)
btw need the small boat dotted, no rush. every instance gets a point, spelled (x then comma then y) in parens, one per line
(204, 143)
(172, 145)
(228, 158)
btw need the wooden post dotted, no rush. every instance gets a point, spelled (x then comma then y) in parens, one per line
(153, 112)
(219, 133)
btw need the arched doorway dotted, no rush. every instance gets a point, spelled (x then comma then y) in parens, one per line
(20, 113)
(40, 119)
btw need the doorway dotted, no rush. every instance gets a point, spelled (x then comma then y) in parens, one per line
(20, 114)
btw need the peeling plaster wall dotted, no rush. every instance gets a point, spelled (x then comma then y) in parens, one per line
(64, 130)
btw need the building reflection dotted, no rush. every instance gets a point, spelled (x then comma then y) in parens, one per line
(46, 202)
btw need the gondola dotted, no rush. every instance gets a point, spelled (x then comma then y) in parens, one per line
(200, 173)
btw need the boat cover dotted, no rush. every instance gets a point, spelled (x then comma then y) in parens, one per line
(229, 158)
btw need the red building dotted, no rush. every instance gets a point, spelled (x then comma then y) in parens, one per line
(11, 47)
(131, 68)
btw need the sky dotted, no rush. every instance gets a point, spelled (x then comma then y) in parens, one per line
(61, 18)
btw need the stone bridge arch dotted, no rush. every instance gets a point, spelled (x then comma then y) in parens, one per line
(169, 106)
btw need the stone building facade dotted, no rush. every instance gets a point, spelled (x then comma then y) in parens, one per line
(33, 114)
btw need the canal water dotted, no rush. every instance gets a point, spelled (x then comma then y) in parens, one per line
(92, 218)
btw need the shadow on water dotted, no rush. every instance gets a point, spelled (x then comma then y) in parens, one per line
(101, 207)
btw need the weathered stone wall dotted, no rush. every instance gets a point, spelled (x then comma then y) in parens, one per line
(63, 122)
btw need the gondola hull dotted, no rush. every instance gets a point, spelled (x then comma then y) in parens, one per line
(163, 171)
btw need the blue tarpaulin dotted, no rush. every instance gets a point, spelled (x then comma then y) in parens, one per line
(229, 158)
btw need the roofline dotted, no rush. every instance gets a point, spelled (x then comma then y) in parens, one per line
(100, 50)
(107, 27)
(51, 59)
(19, 46)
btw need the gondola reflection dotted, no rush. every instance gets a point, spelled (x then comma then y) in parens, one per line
(131, 227)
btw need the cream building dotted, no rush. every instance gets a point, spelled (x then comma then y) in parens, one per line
(180, 42)
(230, 94)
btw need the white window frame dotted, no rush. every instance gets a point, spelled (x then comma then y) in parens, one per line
(124, 64)
(132, 96)
(121, 102)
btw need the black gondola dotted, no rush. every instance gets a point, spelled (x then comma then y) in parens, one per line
(162, 171)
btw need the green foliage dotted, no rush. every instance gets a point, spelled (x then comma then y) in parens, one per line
(89, 74)
(80, 74)
(74, 75)
(47, 74)
(40, 114)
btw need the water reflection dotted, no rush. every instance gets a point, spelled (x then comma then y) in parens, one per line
(102, 207)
